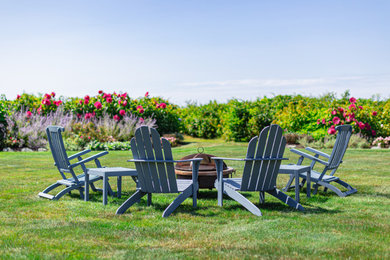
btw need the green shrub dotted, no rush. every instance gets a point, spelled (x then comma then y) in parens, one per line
(236, 121)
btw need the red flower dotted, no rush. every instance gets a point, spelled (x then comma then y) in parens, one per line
(86, 97)
(18, 96)
(139, 107)
(331, 130)
(98, 105)
(334, 112)
(81, 102)
(78, 116)
(28, 114)
(323, 121)
(86, 101)
(336, 120)
(361, 125)
(119, 102)
(318, 121)
(124, 103)
(352, 100)
(117, 118)
(109, 99)
(58, 103)
(124, 95)
(341, 109)
(53, 94)
(374, 113)
(352, 106)
(368, 127)
(141, 120)
(163, 105)
(122, 112)
(47, 96)
(373, 133)
(141, 111)
(360, 107)
(147, 94)
(100, 91)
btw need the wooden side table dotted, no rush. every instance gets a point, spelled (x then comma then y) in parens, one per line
(296, 170)
(109, 172)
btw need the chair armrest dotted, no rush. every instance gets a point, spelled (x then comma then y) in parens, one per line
(248, 159)
(162, 161)
(327, 156)
(93, 157)
(74, 156)
(308, 156)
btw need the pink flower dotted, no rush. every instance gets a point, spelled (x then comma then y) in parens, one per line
(163, 105)
(109, 99)
(117, 118)
(53, 94)
(88, 116)
(331, 130)
(86, 97)
(80, 102)
(59, 102)
(141, 111)
(122, 112)
(360, 107)
(119, 102)
(100, 91)
(374, 113)
(341, 109)
(318, 121)
(367, 126)
(46, 102)
(348, 119)
(18, 96)
(323, 121)
(336, 120)
(334, 112)
(124, 95)
(373, 133)
(141, 120)
(28, 114)
(352, 106)
(147, 94)
(139, 107)
(98, 105)
(47, 96)
(124, 103)
(361, 125)
(352, 100)
(86, 101)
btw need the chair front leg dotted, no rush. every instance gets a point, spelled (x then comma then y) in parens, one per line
(219, 186)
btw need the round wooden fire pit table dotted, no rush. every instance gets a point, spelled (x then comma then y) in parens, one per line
(207, 170)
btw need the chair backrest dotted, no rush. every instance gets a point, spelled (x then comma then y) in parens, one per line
(260, 175)
(342, 140)
(57, 148)
(153, 177)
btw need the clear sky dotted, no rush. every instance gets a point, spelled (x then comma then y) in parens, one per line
(195, 50)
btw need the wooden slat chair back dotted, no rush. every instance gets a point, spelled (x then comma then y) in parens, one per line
(262, 163)
(63, 163)
(341, 144)
(156, 174)
(267, 149)
(330, 163)
(58, 151)
(154, 177)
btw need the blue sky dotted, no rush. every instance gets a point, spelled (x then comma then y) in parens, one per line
(195, 50)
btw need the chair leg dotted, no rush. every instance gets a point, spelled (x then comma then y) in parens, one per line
(65, 191)
(286, 199)
(136, 197)
(149, 199)
(179, 200)
(242, 200)
(288, 185)
(261, 197)
(44, 193)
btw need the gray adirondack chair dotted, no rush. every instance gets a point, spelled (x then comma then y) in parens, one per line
(331, 163)
(62, 162)
(155, 166)
(262, 162)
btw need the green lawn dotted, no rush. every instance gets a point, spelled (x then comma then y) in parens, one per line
(357, 226)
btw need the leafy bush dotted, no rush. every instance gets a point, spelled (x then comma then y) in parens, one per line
(235, 121)
(204, 120)
(3, 122)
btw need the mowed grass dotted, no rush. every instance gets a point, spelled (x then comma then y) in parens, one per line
(357, 226)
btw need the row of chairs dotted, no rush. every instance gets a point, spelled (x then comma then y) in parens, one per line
(154, 163)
